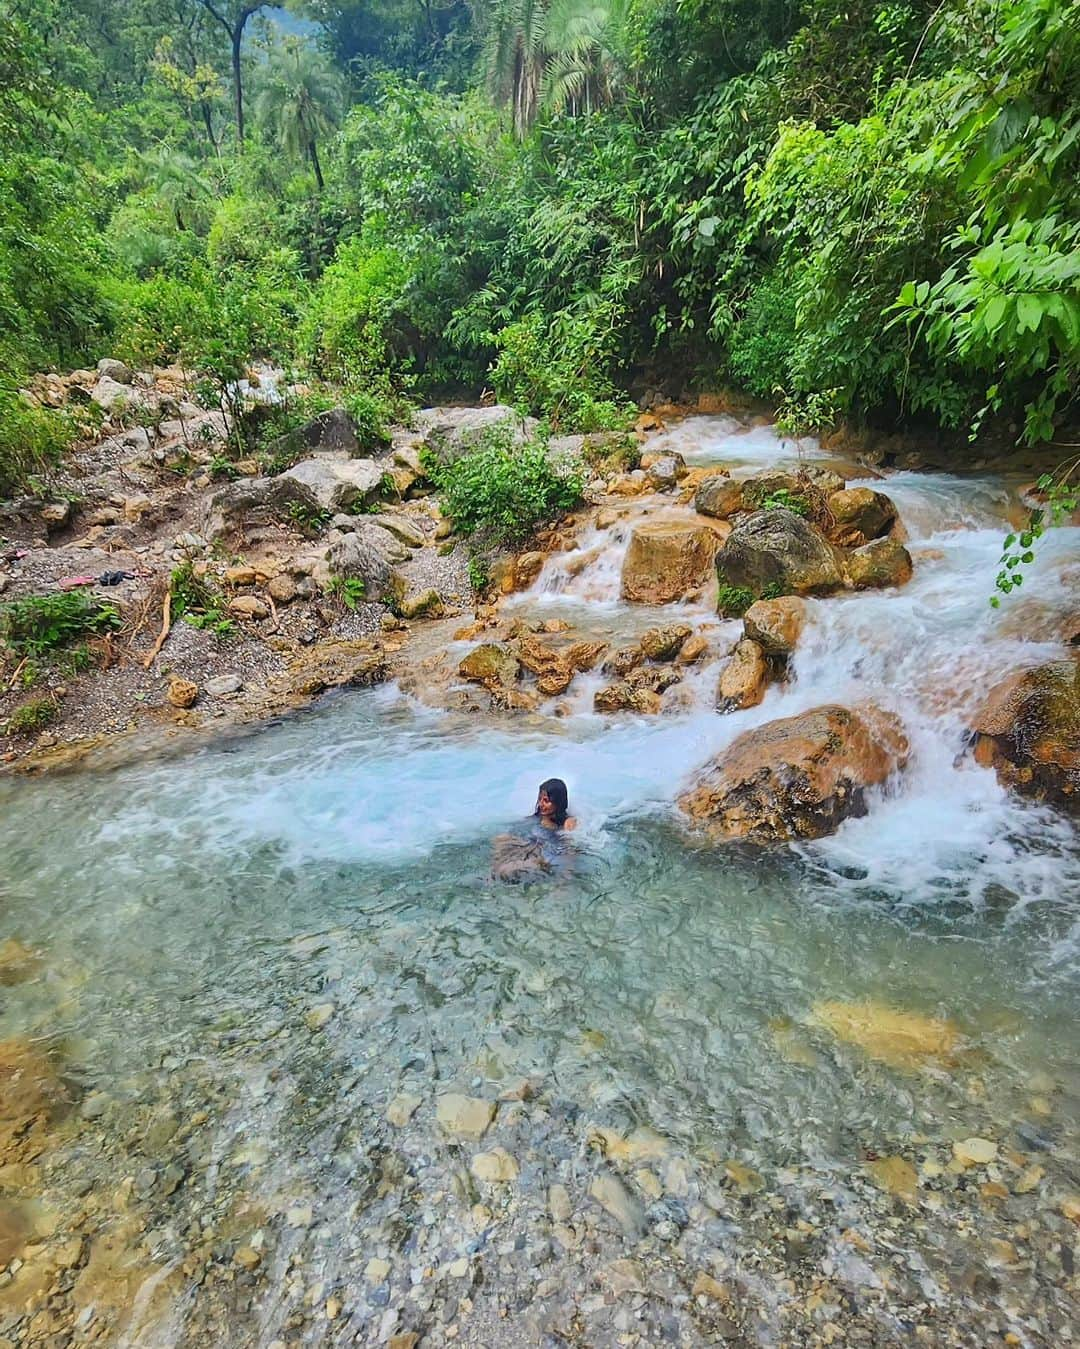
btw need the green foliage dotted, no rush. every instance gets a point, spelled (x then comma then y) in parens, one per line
(733, 601)
(310, 520)
(350, 590)
(32, 440)
(1062, 495)
(479, 573)
(197, 602)
(33, 716)
(499, 490)
(785, 500)
(40, 625)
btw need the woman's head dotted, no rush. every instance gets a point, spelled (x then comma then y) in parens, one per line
(551, 801)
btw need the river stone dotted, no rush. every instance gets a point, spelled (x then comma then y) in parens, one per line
(494, 1167)
(743, 679)
(17, 963)
(779, 550)
(249, 606)
(663, 473)
(974, 1151)
(464, 1116)
(877, 565)
(895, 1175)
(490, 665)
(719, 497)
(613, 1197)
(859, 515)
(776, 624)
(331, 430)
(363, 556)
(665, 643)
(1028, 730)
(899, 1038)
(797, 777)
(401, 528)
(623, 697)
(107, 368)
(424, 604)
(113, 396)
(317, 1017)
(334, 482)
(182, 692)
(402, 1108)
(667, 560)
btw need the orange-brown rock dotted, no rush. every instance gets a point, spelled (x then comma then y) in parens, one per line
(623, 698)
(877, 565)
(664, 643)
(554, 660)
(719, 496)
(182, 692)
(491, 665)
(776, 624)
(31, 1094)
(1029, 732)
(743, 679)
(859, 514)
(331, 665)
(666, 561)
(692, 650)
(798, 777)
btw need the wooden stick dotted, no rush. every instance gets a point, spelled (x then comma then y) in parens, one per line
(273, 611)
(18, 668)
(166, 624)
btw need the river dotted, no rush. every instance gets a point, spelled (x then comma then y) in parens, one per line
(247, 953)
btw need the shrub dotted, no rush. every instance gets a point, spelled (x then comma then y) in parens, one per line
(32, 440)
(350, 590)
(499, 490)
(33, 715)
(40, 624)
(196, 601)
(760, 346)
(733, 601)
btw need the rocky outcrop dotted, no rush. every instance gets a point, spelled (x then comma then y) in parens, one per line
(776, 624)
(778, 550)
(877, 565)
(743, 679)
(332, 430)
(555, 660)
(798, 777)
(334, 482)
(667, 560)
(367, 555)
(330, 665)
(1029, 732)
(859, 514)
(490, 665)
(623, 697)
(450, 430)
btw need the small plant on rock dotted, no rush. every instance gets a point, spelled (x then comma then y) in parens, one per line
(479, 573)
(196, 601)
(733, 601)
(350, 590)
(785, 500)
(310, 520)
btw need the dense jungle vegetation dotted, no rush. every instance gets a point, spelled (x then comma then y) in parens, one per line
(867, 210)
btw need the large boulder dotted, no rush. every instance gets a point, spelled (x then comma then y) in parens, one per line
(240, 505)
(877, 565)
(859, 514)
(109, 368)
(332, 430)
(365, 555)
(743, 679)
(666, 561)
(333, 481)
(451, 431)
(778, 550)
(719, 497)
(1029, 732)
(798, 777)
(113, 396)
(776, 624)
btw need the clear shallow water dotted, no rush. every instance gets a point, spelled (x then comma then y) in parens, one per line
(190, 912)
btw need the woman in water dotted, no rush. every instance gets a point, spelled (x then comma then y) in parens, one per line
(517, 859)
(553, 807)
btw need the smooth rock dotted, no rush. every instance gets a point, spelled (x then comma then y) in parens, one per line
(878, 565)
(494, 1167)
(613, 1197)
(317, 1017)
(776, 624)
(464, 1116)
(402, 1108)
(902, 1039)
(797, 777)
(1028, 731)
(249, 607)
(667, 560)
(974, 1151)
(223, 684)
(743, 679)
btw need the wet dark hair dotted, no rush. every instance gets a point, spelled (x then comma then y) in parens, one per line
(555, 791)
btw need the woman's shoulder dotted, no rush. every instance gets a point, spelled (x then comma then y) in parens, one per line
(569, 822)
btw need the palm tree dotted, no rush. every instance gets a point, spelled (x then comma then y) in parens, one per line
(567, 54)
(177, 184)
(299, 100)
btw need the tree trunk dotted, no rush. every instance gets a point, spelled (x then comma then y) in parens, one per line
(315, 164)
(238, 88)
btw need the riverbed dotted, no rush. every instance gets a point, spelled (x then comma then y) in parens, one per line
(816, 1094)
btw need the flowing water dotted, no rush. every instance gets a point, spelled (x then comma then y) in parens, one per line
(264, 943)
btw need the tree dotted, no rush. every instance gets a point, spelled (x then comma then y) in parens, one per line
(233, 18)
(299, 98)
(177, 184)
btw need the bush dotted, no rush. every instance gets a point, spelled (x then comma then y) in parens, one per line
(40, 624)
(760, 346)
(33, 715)
(500, 491)
(32, 440)
(733, 601)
